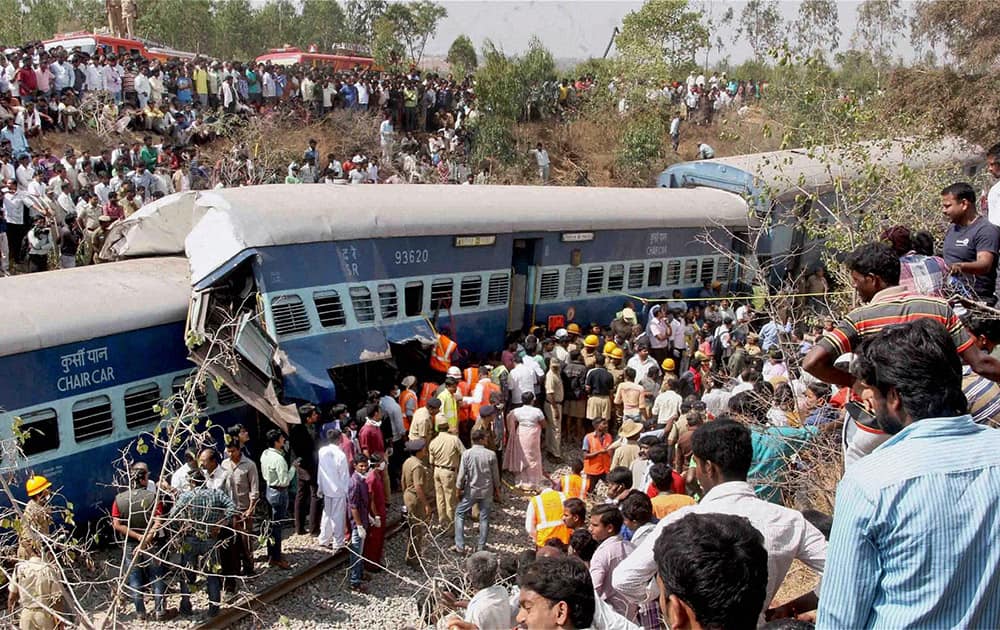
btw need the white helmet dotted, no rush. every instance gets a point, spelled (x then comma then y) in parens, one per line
(454, 372)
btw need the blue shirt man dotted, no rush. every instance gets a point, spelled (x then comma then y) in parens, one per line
(916, 522)
(14, 134)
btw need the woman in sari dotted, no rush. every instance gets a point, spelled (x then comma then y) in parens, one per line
(524, 444)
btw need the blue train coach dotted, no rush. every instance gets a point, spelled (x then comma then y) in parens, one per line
(85, 355)
(347, 276)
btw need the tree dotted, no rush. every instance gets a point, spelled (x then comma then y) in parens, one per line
(236, 30)
(323, 24)
(761, 23)
(462, 55)
(361, 17)
(663, 33)
(879, 22)
(968, 29)
(816, 27)
(184, 25)
(279, 23)
(415, 23)
(387, 50)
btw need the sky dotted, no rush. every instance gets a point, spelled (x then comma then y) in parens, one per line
(578, 29)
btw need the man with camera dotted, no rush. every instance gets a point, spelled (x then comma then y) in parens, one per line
(40, 245)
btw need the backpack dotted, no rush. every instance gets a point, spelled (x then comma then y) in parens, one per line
(576, 379)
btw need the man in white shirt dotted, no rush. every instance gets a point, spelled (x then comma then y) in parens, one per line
(993, 197)
(542, 161)
(215, 475)
(722, 453)
(523, 378)
(490, 606)
(667, 406)
(641, 362)
(385, 137)
(334, 476)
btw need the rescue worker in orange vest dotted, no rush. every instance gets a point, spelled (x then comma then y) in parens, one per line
(408, 400)
(427, 391)
(442, 352)
(543, 518)
(597, 447)
(482, 392)
(573, 484)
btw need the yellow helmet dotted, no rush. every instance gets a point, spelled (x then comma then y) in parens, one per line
(617, 353)
(36, 485)
(590, 341)
(668, 365)
(574, 329)
(609, 346)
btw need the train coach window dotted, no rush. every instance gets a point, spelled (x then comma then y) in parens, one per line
(388, 301)
(654, 276)
(707, 270)
(574, 282)
(635, 275)
(499, 290)
(595, 279)
(40, 430)
(549, 287)
(177, 389)
(329, 308)
(690, 271)
(226, 396)
(361, 299)
(289, 315)
(470, 291)
(722, 269)
(92, 418)
(413, 295)
(673, 273)
(616, 278)
(139, 403)
(441, 293)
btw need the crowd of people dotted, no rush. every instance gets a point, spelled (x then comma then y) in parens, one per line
(426, 134)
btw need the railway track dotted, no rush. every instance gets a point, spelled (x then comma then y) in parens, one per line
(245, 606)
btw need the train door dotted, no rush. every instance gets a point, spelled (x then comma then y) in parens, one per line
(523, 280)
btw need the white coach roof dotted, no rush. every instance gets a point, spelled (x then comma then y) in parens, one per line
(41, 310)
(238, 219)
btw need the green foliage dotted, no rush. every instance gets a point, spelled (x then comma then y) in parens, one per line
(462, 56)
(879, 23)
(387, 50)
(761, 24)
(361, 17)
(495, 139)
(816, 27)
(642, 142)
(186, 25)
(278, 23)
(408, 25)
(323, 23)
(660, 39)
(237, 34)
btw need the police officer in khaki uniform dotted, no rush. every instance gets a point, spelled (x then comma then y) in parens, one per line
(35, 584)
(37, 517)
(422, 425)
(445, 455)
(418, 484)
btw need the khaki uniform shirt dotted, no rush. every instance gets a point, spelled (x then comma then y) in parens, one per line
(421, 427)
(589, 358)
(38, 518)
(553, 387)
(36, 584)
(446, 450)
(416, 474)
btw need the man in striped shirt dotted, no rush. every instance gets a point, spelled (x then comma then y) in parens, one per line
(913, 540)
(875, 275)
(983, 394)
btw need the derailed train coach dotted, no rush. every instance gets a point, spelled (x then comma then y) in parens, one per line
(794, 188)
(341, 279)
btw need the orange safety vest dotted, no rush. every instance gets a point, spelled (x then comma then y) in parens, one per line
(441, 356)
(573, 486)
(602, 463)
(464, 412)
(404, 397)
(488, 388)
(548, 517)
(427, 391)
(471, 376)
